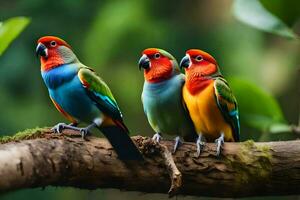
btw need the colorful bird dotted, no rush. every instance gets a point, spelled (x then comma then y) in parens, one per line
(210, 101)
(162, 96)
(82, 96)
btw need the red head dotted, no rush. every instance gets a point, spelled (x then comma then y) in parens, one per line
(54, 52)
(199, 68)
(158, 65)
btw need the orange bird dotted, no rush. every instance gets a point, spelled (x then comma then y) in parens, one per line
(210, 101)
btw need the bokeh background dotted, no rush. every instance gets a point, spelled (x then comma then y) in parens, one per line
(260, 62)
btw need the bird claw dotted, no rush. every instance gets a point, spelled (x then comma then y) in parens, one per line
(200, 145)
(84, 132)
(177, 143)
(220, 143)
(156, 137)
(58, 127)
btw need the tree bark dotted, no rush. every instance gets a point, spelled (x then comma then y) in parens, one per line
(243, 170)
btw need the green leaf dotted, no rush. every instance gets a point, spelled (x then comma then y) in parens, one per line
(287, 11)
(253, 13)
(258, 109)
(10, 29)
(280, 128)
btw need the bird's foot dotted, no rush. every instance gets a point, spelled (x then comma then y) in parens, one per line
(156, 137)
(58, 127)
(61, 126)
(177, 143)
(85, 131)
(220, 143)
(200, 144)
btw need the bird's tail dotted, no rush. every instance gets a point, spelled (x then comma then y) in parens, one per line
(118, 136)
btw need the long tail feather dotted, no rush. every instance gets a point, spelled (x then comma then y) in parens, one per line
(121, 142)
(122, 125)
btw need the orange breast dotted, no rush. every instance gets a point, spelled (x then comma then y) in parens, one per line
(205, 114)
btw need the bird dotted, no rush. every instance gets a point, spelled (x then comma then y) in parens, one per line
(80, 95)
(210, 101)
(162, 96)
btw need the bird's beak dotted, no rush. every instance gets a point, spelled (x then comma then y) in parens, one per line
(41, 50)
(185, 62)
(144, 62)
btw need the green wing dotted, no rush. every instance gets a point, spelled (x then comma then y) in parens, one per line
(228, 105)
(99, 92)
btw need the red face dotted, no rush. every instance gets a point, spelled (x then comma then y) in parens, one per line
(47, 48)
(200, 62)
(198, 65)
(157, 67)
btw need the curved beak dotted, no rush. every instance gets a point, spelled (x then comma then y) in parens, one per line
(144, 62)
(41, 50)
(185, 62)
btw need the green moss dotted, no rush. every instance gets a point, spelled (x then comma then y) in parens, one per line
(252, 161)
(23, 135)
(248, 143)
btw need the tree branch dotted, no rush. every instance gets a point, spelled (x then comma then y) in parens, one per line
(244, 169)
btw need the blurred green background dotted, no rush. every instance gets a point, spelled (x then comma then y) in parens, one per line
(255, 43)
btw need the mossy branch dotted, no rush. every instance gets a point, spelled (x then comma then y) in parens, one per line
(38, 158)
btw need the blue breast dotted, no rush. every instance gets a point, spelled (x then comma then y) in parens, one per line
(59, 75)
(66, 89)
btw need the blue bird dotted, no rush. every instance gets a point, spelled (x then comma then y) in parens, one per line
(82, 96)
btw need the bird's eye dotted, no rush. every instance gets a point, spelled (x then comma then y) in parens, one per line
(157, 56)
(198, 58)
(52, 43)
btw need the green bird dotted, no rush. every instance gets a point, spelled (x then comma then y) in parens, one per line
(162, 96)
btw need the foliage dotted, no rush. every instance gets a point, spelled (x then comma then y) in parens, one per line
(287, 11)
(259, 109)
(10, 29)
(254, 14)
